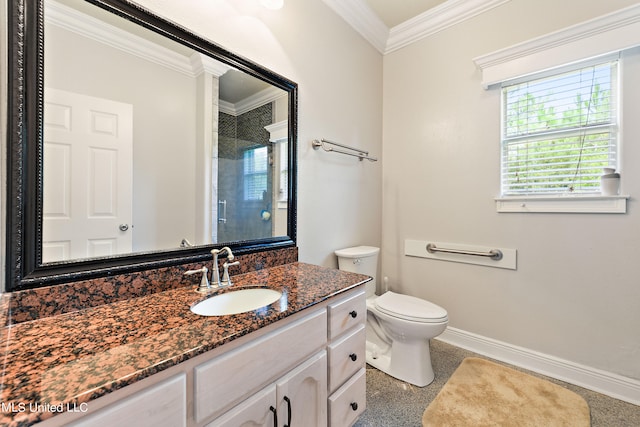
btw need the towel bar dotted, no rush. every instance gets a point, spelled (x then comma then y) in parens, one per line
(494, 254)
(361, 154)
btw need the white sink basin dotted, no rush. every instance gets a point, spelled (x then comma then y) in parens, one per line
(236, 302)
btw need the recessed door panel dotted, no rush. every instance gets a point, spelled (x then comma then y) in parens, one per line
(88, 145)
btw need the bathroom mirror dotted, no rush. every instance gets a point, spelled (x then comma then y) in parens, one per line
(135, 144)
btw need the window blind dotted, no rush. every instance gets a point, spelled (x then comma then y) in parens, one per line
(255, 173)
(284, 171)
(558, 132)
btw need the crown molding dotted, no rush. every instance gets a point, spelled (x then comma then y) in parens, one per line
(439, 18)
(201, 63)
(355, 12)
(278, 131)
(97, 30)
(94, 29)
(613, 32)
(360, 16)
(261, 98)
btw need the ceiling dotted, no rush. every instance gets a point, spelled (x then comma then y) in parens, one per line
(396, 12)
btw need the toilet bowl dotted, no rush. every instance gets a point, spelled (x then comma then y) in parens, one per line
(398, 326)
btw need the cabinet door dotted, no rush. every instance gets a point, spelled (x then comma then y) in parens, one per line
(255, 411)
(227, 380)
(302, 394)
(161, 405)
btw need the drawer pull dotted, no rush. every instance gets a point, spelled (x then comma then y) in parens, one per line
(354, 406)
(275, 415)
(353, 314)
(288, 424)
(353, 356)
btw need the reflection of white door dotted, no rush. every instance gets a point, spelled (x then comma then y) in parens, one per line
(87, 176)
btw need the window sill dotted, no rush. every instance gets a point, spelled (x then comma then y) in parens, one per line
(563, 204)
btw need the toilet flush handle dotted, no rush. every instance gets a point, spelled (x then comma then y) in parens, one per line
(357, 261)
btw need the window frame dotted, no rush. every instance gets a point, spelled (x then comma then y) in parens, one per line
(246, 175)
(565, 202)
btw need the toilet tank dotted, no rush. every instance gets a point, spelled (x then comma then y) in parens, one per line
(361, 260)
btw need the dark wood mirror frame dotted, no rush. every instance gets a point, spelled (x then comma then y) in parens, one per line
(24, 267)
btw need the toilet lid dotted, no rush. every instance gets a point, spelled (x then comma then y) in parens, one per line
(410, 308)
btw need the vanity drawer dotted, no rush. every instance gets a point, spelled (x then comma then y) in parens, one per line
(346, 357)
(347, 313)
(346, 404)
(230, 378)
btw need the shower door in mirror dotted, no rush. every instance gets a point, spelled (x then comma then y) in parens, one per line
(245, 175)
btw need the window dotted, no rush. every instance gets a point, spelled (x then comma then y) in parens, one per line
(255, 173)
(559, 132)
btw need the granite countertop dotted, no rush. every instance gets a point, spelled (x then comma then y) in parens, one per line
(67, 360)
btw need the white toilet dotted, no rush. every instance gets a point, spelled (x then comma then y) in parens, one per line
(398, 326)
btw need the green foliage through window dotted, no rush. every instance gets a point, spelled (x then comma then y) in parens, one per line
(559, 132)
(255, 173)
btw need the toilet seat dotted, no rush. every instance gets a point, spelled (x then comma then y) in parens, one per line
(410, 308)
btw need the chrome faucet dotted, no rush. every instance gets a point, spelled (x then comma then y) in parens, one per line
(215, 276)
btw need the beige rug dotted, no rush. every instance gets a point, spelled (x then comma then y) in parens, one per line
(482, 393)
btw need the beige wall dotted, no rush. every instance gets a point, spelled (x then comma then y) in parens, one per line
(575, 294)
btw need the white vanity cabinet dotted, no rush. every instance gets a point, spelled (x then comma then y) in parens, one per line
(229, 380)
(327, 389)
(346, 350)
(310, 364)
(298, 399)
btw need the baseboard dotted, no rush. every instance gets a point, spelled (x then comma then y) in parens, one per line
(614, 385)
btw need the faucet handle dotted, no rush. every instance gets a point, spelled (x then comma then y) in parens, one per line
(205, 286)
(225, 275)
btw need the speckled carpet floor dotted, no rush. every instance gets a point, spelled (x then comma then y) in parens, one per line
(394, 403)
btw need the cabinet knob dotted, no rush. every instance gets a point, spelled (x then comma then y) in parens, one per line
(354, 406)
(353, 314)
(353, 356)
